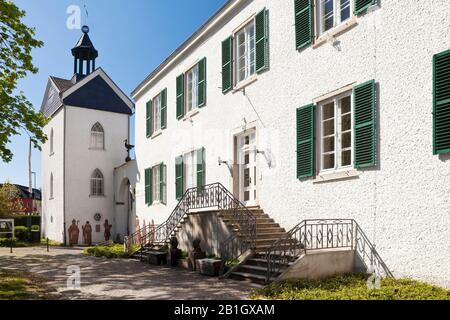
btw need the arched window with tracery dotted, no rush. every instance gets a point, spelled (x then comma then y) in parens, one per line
(97, 137)
(97, 183)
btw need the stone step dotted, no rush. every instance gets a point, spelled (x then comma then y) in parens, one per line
(250, 277)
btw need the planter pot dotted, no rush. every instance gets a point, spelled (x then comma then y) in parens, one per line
(35, 236)
(209, 267)
(184, 264)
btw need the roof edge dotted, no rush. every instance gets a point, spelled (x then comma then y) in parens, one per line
(185, 45)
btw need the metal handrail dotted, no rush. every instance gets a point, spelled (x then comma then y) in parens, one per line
(209, 196)
(323, 234)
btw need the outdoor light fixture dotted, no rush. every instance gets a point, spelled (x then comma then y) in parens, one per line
(229, 166)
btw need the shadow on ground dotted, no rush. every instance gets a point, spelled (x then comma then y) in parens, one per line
(119, 278)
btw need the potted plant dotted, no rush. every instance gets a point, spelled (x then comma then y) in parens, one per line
(183, 262)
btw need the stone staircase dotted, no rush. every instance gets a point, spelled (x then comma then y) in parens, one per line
(254, 268)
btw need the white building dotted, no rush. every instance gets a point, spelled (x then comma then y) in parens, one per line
(89, 122)
(322, 109)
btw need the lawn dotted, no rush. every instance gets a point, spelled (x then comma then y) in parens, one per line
(22, 286)
(350, 287)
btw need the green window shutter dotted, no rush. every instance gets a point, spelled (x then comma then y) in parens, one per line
(180, 96)
(179, 177)
(361, 6)
(148, 186)
(261, 39)
(201, 83)
(162, 183)
(164, 109)
(303, 23)
(227, 65)
(441, 103)
(305, 142)
(364, 124)
(201, 167)
(149, 122)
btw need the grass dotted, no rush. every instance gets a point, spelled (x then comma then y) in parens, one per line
(22, 286)
(111, 252)
(350, 287)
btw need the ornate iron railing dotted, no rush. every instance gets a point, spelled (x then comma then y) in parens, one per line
(209, 196)
(324, 234)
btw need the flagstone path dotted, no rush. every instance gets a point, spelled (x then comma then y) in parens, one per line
(118, 278)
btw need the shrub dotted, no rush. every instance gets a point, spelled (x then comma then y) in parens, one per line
(26, 221)
(111, 252)
(35, 227)
(184, 254)
(21, 233)
(350, 287)
(6, 242)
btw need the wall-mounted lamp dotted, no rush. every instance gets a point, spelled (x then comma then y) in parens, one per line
(229, 166)
(263, 152)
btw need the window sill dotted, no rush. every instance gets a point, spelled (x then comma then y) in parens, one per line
(335, 32)
(190, 114)
(97, 149)
(51, 154)
(52, 198)
(156, 134)
(244, 83)
(97, 196)
(336, 175)
(157, 203)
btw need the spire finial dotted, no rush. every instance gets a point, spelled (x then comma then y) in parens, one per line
(85, 29)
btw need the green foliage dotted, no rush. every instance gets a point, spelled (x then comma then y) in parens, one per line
(350, 287)
(232, 262)
(24, 220)
(52, 243)
(21, 233)
(35, 227)
(184, 254)
(10, 203)
(111, 252)
(16, 112)
(6, 242)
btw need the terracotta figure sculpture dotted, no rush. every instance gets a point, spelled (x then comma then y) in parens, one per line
(107, 230)
(87, 233)
(74, 233)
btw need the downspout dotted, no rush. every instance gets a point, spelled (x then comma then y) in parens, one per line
(64, 179)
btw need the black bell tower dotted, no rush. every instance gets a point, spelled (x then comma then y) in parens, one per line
(84, 55)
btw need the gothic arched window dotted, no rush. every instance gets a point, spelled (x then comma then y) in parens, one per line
(97, 183)
(97, 137)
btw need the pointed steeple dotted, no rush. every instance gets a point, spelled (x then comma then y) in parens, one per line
(84, 55)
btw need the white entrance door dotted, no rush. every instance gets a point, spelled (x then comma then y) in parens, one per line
(247, 167)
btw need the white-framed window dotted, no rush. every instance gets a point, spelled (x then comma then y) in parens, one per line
(191, 89)
(51, 141)
(331, 13)
(245, 52)
(156, 113)
(51, 185)
(97, 183)
(156, 196)
(335, 133)
(190, 170)
(97, 137)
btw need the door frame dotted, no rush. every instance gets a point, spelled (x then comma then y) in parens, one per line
(237, 188)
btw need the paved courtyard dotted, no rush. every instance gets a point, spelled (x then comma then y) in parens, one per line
(119, 278)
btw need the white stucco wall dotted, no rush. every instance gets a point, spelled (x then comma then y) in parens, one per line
(52, 209)
(81, 162)
(403, 205)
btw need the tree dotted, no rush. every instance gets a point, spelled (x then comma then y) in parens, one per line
(16, 112)
(10, 202)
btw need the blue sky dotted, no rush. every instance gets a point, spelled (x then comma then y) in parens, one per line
(133, 37)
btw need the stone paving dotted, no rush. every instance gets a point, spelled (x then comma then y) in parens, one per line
(102, 278)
